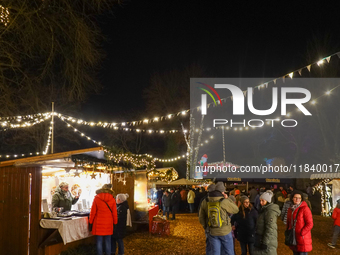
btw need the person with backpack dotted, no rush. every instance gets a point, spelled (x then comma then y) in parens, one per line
(245, 222)
(300, 216)
(266, 226)
(213, 216)
(336, 218)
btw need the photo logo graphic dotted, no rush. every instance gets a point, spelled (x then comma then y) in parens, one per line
(238, 99)
(204, 97)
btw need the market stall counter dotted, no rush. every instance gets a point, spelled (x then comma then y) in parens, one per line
(70, 229)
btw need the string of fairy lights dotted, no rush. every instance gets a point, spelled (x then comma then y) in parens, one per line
(4, 15)
(48, 142)
(33, 119)
(116, 125)
(118, 157)
(23, 121)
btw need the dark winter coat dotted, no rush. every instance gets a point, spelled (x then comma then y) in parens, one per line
(175, 198)
(266, 230)
(252, 195)
(304, 225)
(285, 208)
(120, 229)
(245, 227)
(257, 204)
(59, 199)
(101, 217)
(166, 200)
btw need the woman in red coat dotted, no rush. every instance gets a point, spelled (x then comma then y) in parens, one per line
(304, 224)
(103, 216)
(336, 218)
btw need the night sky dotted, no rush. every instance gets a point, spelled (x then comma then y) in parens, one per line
(227, 38)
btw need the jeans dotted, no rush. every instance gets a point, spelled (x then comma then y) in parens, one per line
(166, 209)
(175, 209)
(207, 244)
(120, 245)
(107, 243)
(300, 253)
(224, 243)
(244, 248)
(336, 232)
(191, 207)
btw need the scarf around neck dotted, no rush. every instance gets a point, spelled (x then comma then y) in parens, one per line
(294, 207)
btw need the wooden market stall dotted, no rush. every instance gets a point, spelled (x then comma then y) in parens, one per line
(21, 185)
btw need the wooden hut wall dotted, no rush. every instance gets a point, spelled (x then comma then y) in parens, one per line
(129, 188)
(19, 212)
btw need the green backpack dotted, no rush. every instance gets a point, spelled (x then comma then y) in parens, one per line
(214, 213)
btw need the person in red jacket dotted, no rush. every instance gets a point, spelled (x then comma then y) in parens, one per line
(103, 216)
(336, 218)
(304, 223)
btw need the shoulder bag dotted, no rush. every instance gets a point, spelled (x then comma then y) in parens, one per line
(91, 224)
(290, 239)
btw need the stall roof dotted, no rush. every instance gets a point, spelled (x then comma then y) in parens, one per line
(60, 159)
(183, 181)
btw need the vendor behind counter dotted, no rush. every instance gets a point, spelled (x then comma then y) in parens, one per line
(63, 197)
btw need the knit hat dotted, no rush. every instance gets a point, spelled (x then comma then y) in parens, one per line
(232, 198)
(243, 198)
(62, 184)
(237, 192)
(107, 186)
(220, 187)
(267, 195)
(122, 197)
(211, 187)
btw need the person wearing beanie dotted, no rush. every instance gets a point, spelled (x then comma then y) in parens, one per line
(336, 230)
(232, 198)
(244, 223)
(63, 197)
(300, 212)
(103, 216)
(120, 228)
(266, 226)
(219, 238)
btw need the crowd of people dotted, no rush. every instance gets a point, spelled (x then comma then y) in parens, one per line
(254, 220)
(226, 216)
(248, 217)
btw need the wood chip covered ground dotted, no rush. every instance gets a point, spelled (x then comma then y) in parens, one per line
(187, 238)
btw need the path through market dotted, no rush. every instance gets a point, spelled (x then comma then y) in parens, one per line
(187, 238)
